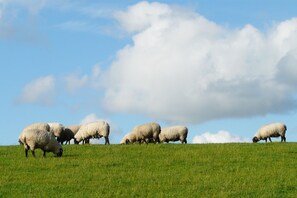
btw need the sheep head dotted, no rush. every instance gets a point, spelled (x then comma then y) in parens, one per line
(255, 139)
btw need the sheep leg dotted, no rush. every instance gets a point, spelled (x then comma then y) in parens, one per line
(184, 141)
(26, 152)
(157, 139)
(106, 140)
(44, 153)
(283, 139)
(145, 141)
(33, 153)
(269, 139)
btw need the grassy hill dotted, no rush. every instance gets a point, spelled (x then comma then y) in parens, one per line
(167, 170)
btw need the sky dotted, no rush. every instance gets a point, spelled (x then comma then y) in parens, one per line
(221, 68)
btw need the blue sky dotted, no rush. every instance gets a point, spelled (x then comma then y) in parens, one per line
(221, 68)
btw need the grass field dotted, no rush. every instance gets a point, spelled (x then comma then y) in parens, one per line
(166, 170)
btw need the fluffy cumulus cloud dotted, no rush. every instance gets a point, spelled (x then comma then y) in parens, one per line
(182, 67)
(40, 91)
(220, 137)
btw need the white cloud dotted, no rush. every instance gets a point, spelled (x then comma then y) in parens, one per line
(182, 67)
(220, 137)
(75, 82)
(40, 91)
(90, 118)
(32, 6)
(146, 13)
(16, 20)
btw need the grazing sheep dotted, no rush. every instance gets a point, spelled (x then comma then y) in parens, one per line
(271, 130)
(174, 133)
(70, 133)
(39, 138)
(143, 133)
(56, 129)
(36, 126)
(65, 136)
(129, 138)
(41, 126)
(96, 129)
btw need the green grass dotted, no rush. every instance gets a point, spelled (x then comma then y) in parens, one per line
(167, 170)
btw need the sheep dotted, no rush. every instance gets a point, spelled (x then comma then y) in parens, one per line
(96, 129)
(41, 126)
(56, 129)
(174, 133)
(39, 138)
(70, 133)
(35, 126)
(147, 132)
(74, 129)
(129, 138)
(143, 133)
(271, 130)
(65, 136)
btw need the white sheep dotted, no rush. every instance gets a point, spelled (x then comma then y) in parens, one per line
(129, 138)
(39, 125)
(74, 129)
(143, 133)
(174, 133)
(39, 138)
(36, 126)
(96, 129)
(56, 128)
(271, 130)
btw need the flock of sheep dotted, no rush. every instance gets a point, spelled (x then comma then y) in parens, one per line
(49, 136)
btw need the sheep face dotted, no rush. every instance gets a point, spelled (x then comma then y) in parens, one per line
(77, 139)
(162, 137)
(60, 152)
(255, 139)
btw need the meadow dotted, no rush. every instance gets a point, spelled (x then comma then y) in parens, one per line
(162, 170)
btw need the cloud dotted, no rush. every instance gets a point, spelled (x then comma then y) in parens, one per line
(74, 81)
(182, 67)
(220, 137)
(40, 91)
(89, 118)
(16, 20)
(31, 6)
(147, 13)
